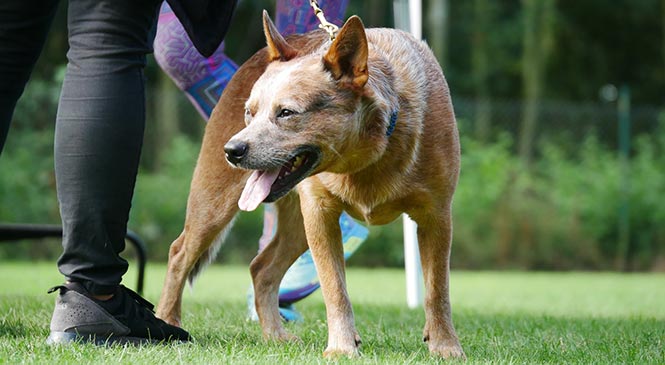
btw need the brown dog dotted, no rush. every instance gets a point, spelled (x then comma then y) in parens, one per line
(363, 124)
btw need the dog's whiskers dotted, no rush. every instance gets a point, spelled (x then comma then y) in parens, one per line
(339, 155)
(278, 160)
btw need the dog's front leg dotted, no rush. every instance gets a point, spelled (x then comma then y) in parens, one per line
(269, 267)
(321, 214)
(184, 254)
(434, 238)
(210, 209)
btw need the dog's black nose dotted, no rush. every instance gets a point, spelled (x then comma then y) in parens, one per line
(235, 151)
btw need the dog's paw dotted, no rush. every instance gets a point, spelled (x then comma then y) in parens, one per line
(289, 337)
(446, 348)
(447, 351)
(335, 353)
(350, 350)
(283, 336)
(172, 320)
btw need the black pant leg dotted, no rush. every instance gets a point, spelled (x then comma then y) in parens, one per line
(99, 134)
(23, 29)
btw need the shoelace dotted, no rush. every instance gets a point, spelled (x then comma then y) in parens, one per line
(57, 287)
(142, 308)
(139, 299)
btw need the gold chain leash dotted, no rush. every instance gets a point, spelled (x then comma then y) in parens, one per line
(329, 27)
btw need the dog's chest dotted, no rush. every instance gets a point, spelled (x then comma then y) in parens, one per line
(376, 216)
(365, 202)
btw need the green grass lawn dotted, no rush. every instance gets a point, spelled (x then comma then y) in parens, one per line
(501, 317)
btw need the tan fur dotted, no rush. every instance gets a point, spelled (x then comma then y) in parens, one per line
(343, 94)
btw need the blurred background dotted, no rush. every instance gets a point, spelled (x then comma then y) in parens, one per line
(561, 111)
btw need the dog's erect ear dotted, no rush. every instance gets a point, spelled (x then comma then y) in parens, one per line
(278, 49)
(347, 57)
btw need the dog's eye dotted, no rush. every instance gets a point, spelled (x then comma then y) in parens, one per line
(285, 113)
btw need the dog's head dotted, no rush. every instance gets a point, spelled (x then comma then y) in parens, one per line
(303, 115)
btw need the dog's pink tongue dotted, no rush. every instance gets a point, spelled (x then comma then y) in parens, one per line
(257, 189)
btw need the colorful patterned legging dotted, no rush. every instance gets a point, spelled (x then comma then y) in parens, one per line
(203, 79)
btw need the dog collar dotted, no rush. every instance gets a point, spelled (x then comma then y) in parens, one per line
(391, 125)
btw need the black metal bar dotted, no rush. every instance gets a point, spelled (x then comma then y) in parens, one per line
(15, 232)
(141, 250)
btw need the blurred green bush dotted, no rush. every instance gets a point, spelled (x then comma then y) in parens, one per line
(560, 214)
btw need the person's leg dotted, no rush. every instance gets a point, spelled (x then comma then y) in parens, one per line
(296, 16)
(99, 134)
(98, 139)
(23, 29)
(202, 79)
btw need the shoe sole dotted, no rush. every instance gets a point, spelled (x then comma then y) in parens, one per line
(68, 338)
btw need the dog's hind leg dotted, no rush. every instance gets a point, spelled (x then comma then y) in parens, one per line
(434, 239)
(269, 267)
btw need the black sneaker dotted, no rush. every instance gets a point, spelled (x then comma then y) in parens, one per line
(125, 318)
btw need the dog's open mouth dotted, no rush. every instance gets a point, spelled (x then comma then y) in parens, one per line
(270, 185)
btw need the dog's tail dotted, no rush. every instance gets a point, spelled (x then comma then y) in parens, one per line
(210, 254)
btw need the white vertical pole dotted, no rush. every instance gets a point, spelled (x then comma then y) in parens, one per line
(414, 273)
(416, 18)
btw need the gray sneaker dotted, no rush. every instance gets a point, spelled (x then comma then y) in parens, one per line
(125, 318)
